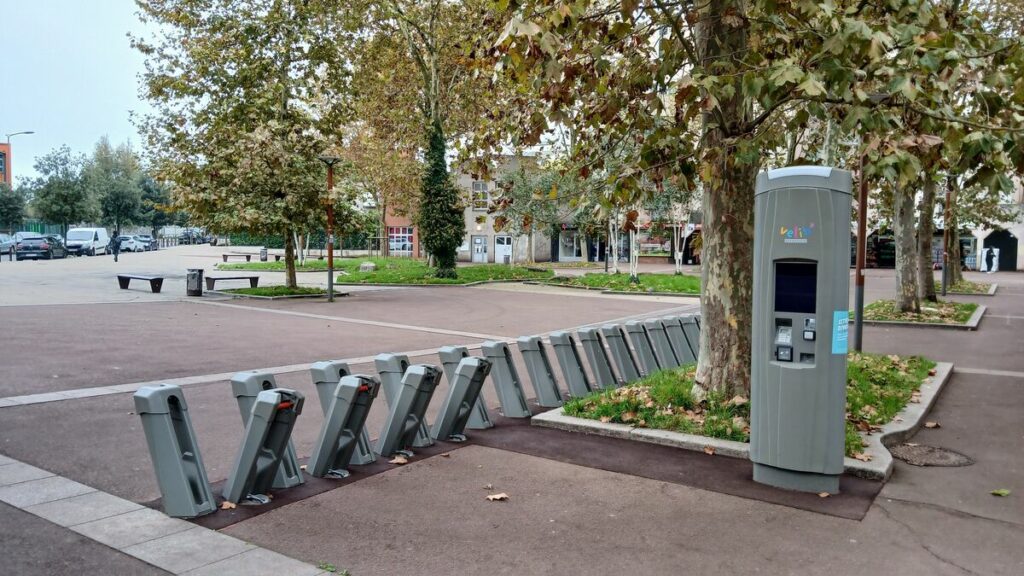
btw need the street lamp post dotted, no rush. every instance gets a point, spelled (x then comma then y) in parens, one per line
(17, 134)
(330, 161)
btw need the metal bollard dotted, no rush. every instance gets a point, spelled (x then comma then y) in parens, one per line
(538, 366)
(597, 358)
(463, 391)
(571, 364)
(267, 437)
(676, 337)
(624, 362)
(450, 357)
(246, 386)
(392, 368)
(663, 352)
(344, 422)
(642, 347)
(406, 416)
(172, 446)
(506, 380)
(326, 376)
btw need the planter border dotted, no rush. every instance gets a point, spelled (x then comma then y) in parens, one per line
(474, 283)
(991, 292)
(903, 425)
(288, 297)
(610, 291)
(971, 324)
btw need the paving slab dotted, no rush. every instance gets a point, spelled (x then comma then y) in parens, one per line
(81, 509)
(188, 550)
(16, 472)
(257, 562)
(432, 517)
(42, 490)
(132, 528)
(34, 547)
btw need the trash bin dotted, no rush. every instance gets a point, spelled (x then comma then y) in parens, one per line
(194, 282)
(508, 259)
(263, 254)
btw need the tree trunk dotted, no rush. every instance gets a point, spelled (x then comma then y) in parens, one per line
(727, 268)
(906, 257)
(925, 232)
(289, 260)
(955, 273)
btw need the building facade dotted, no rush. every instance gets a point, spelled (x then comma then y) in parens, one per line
(5, 164)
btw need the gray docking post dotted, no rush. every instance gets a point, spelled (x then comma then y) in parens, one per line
(343, 423)
(506, 380)
(450, 357)
(597, 357)
(406, 416)
(538, 366)
(676, 337)
(692, 330)
(267, 435)
(246, 386)
(463, 389)
(659, 341)
(624, 362)
(571, 363)
(392, 368)
(172, 446)
(642, 346)
(326, 376)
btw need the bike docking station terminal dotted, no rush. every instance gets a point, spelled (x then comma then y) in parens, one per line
(464, 387)
(343, 425)
(800, 322)
(246, 386)
(450, 357)
(326, 376)
(407, 414)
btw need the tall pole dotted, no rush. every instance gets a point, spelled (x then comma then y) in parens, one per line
(948, 215)
(862, 244)
(330, 233)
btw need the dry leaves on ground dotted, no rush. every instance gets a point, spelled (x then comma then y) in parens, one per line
(931, 372)
(823, 494)
(399, 460)
(446, 455)
(225, 505)
(709, 450)
(862, 456)
(932, 424)
(1001, 492)
(497, 497)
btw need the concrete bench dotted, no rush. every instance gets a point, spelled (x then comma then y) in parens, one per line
(248, 257)
(212, 280)
(155, 282)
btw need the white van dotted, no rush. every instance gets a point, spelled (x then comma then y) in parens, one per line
(87, 241)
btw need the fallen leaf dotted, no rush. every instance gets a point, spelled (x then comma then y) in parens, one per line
(606, 419)
(738, 401)
(225, 505)
(912, 444)
(303, 467)
(489, 487)
(1002, 492)
(628, 416)
(446, 455)
(931, 372)
(709, 450)
(931, 424)
(399, 460)
(823, 494)
(497, 497)
(862, 456)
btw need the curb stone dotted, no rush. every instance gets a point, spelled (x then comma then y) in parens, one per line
(991, 292)
(971, 324)
(878, 468)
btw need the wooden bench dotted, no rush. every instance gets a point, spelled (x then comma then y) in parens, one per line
(155, 282)
(248, 257)
(211, 280)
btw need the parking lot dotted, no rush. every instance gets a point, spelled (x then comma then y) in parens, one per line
(78, 346)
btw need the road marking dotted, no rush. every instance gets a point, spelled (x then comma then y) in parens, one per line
(77, 393)
(988, 372)
(1004, 316)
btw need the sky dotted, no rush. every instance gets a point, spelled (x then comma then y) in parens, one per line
(68, 73)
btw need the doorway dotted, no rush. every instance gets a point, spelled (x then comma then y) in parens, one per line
(1006, 243)
(503, 249)
(480, 249)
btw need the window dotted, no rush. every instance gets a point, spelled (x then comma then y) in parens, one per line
(480, 196)
(400, 240)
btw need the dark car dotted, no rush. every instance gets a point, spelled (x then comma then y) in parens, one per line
(6, 246)
(37, 246)
(147, 241)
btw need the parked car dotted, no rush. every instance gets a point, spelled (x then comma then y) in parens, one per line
(39, 246)
(148, 242)
(7, 246)
(88, 241)
(130, 244)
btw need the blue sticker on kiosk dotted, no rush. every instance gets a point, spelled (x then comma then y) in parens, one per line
(840, 331)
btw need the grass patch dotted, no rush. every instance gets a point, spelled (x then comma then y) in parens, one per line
(558, 265)
(877, 388)
(968, 287)
(277, 291)
(410, 271)
(678, 283)
(942, 312)
(311, 265)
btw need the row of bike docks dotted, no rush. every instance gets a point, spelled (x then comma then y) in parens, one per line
(616, 354)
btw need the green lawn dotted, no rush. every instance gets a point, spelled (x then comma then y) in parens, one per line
(878, 387)
(968, 287)
(311, 265)
(679, 283)
(943, 312)
(410, 271)
(277, 291)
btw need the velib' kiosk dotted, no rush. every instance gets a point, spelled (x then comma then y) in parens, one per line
(801, 300)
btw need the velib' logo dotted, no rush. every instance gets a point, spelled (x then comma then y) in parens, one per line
(797, 234)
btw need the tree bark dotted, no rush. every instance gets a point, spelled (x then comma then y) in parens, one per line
(925, 232)
(727, 266)
(907, 299)
(289, 260)
(955, 274)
